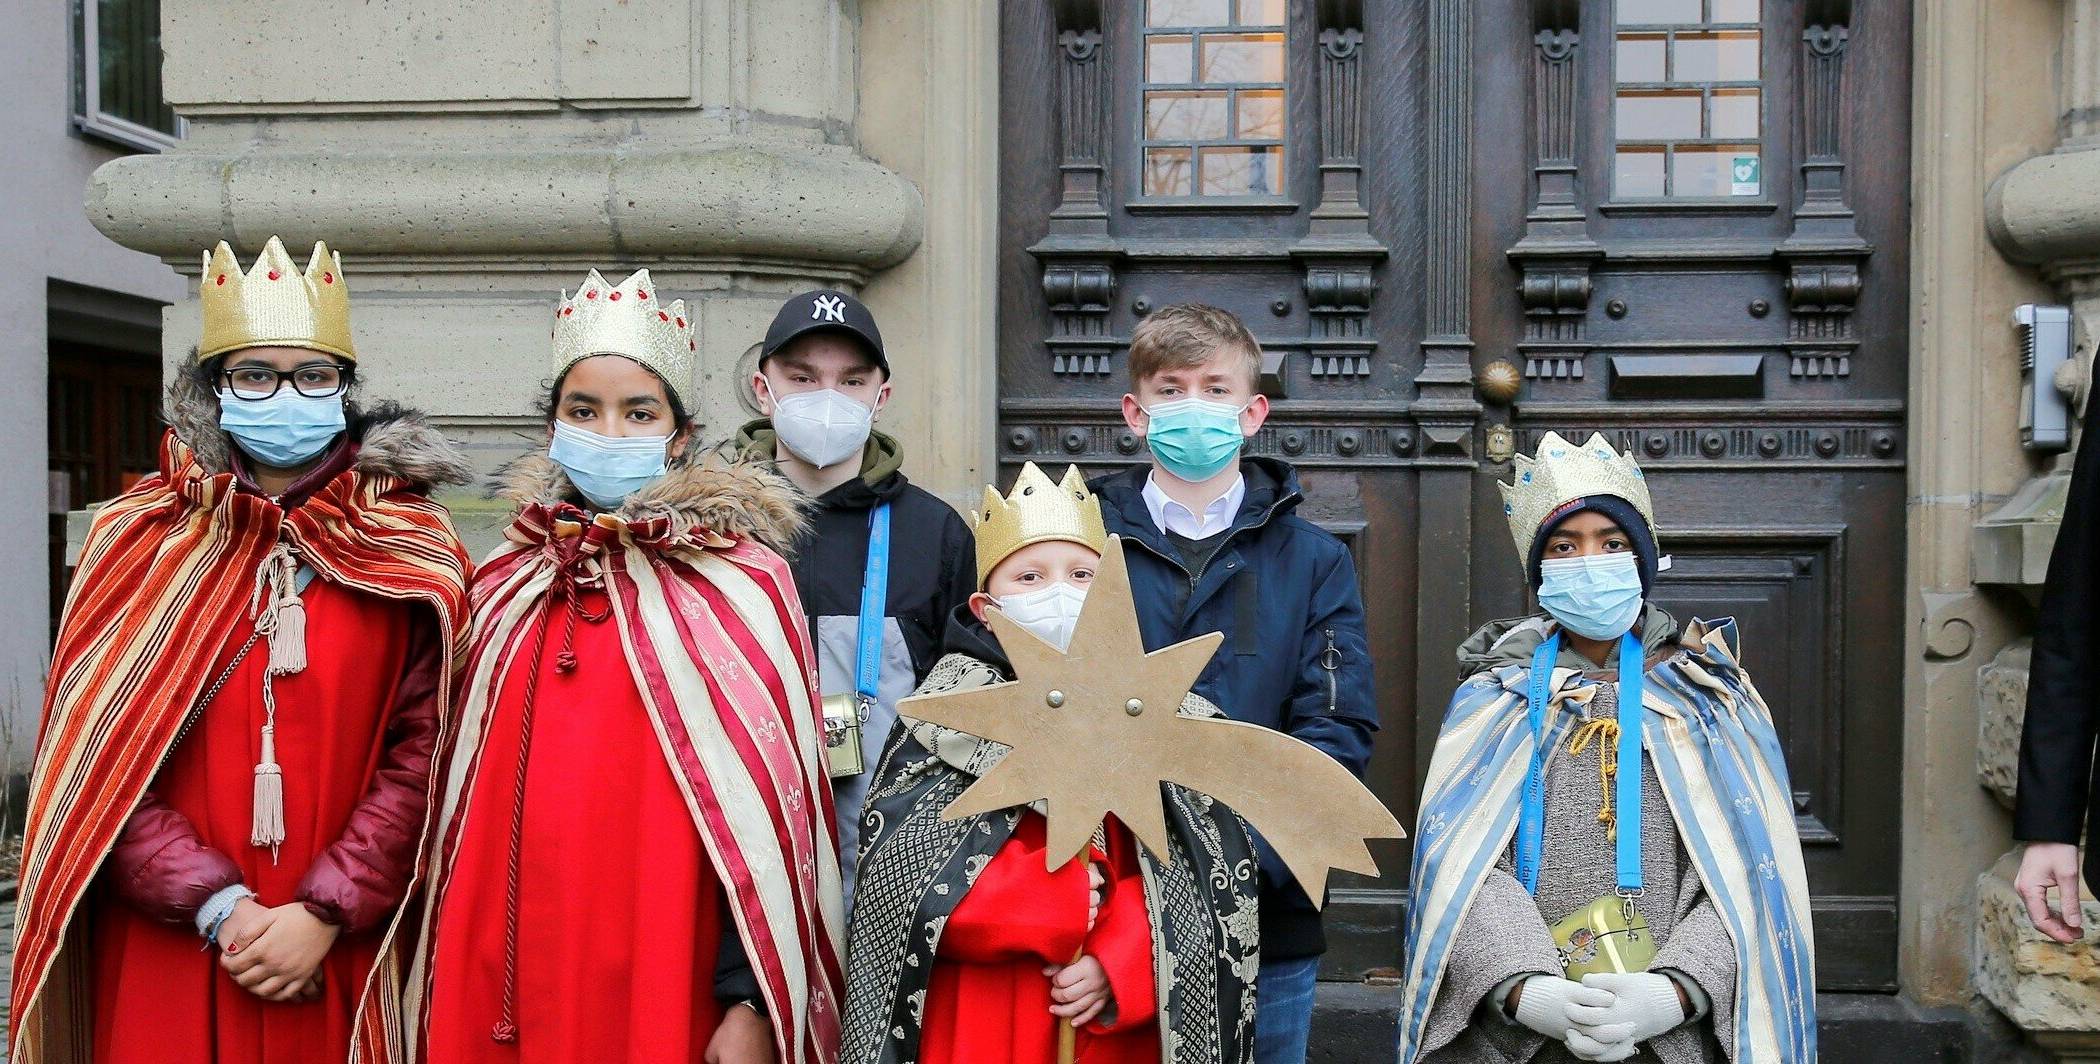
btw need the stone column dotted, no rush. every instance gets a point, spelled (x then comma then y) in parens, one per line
(471, 157)
(2043, 212)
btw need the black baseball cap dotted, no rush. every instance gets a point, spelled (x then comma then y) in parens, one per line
(824, 310)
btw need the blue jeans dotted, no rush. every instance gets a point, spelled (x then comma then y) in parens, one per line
(1283, 1005)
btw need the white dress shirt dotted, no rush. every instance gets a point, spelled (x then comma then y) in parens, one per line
(1172, 517)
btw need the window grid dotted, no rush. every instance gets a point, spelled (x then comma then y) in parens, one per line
(1202, 137)
(1688, 107)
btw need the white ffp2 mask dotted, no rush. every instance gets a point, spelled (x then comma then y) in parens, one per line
(1048, 613)
(823, 427)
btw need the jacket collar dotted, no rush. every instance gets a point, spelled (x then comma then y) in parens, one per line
(733, 498)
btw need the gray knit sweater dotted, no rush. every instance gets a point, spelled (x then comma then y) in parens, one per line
(1506, 932)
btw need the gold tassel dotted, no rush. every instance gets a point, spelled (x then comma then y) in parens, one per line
(1606, 732)
(280, 616)
(266, 827)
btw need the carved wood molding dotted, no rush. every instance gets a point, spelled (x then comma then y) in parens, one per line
(1824, 253)
(1339, 253)
(1445, 405)
(1556, 253)
(1079, 257)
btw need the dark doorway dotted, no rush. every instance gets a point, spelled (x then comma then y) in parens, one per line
(103, 406)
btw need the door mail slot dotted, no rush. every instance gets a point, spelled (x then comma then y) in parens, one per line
(1687, 376)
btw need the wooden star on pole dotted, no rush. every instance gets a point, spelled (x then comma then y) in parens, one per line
(1096, 729)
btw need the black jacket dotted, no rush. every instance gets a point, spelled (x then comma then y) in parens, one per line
(933, 569)
(1295, 658)
(2063, 700)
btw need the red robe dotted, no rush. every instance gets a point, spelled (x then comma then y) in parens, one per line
(619, 908)
(989, 1000)
(157, 997)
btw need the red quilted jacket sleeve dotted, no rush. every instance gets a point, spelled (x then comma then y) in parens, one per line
(357, 882)
(161, 866)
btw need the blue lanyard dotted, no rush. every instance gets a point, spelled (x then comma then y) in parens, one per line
(874, 601)
(1531, 817)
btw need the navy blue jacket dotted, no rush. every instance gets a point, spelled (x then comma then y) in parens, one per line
(1284, 592)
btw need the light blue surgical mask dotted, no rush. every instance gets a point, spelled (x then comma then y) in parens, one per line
(607, 469)
(286, 430)
(1597, 597)
(1195, 439)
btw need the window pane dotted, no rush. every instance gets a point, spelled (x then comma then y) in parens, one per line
(1657, 12)
(1243, 57)
(1637, 173)
(1650, 115)
(1186, 12)
(1735, 10)
(1732, 113)
(1185, 116)
(1170, 59)
(128, 66)
(1167, 172)
(1641, 57)
(1261, 12)
(1261, 114)
(1242, 171)
(1730, 56)
(1708, 170)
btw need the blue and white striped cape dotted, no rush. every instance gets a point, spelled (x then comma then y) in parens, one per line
(1717, 757)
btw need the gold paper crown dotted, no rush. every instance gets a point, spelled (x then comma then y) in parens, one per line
(274, 304)
(627, 319)
(1562, 473)
(1037, 512)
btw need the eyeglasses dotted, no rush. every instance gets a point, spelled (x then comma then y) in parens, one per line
(318, 380)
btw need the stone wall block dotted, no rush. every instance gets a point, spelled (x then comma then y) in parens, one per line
(2001, 710)
(2038, 984)
(791, 208)
(2041, 211)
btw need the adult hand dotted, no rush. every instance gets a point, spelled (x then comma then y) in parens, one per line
(283, 960)
(2044, 865)
(1643, 1005)
(1079, 991)
(743, 1037)
(1543, 1001)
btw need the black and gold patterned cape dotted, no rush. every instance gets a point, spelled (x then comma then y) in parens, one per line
(915, 868)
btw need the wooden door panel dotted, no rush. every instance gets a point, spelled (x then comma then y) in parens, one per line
(1447, 199)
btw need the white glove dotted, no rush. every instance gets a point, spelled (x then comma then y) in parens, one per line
(1545, 1003)
(1643, 1005)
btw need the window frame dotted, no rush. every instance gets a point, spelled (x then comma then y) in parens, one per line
(1280, 199)
(88, 116)
(1762, 85)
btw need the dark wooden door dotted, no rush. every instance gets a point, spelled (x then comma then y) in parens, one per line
(104, 433)
(1455, 225)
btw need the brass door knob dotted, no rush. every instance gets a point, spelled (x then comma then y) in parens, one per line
(1499, 382)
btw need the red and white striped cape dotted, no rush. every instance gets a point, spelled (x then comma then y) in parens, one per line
(161, 594)
(717, 643)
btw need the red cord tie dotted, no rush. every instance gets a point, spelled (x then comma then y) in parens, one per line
(563, 593)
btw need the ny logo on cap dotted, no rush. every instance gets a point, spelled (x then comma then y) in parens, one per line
(829, 308)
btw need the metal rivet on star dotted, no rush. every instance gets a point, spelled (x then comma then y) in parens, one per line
(1054, 699)
(1134, 707)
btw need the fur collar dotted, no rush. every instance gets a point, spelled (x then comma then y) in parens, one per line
(735, 497)
(392, 441)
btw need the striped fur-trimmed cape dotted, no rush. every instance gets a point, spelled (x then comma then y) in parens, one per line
(161, 595)
(718, 646)
(1718, 759)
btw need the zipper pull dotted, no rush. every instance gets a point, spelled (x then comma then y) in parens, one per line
(1331, 660)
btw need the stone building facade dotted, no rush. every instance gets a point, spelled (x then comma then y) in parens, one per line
(471, 158)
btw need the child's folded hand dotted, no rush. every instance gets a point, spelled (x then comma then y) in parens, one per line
(1079, 991)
